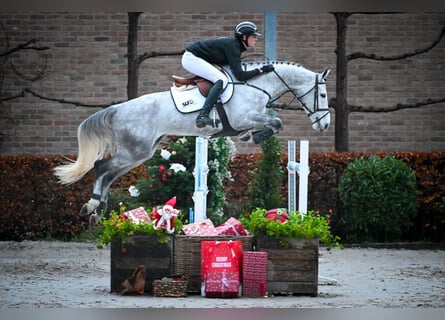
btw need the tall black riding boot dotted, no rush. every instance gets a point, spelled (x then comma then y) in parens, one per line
(214, 93)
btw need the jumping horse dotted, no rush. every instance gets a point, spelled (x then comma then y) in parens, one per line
(118, 138)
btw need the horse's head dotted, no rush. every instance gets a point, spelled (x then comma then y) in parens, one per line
(315, 102)
(306, 86)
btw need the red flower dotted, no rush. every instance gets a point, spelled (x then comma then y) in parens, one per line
(161, 168)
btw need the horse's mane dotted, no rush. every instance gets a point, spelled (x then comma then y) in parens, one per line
(261, 63)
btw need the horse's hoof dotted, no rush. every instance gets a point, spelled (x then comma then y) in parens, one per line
(94, 220)
(84, 211)
(245, 136)
(101, 209)
(277, 124)
(262, 135)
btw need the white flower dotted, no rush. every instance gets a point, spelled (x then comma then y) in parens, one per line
(134, 192)
(165, 154)
(182, 140)
(177, 167)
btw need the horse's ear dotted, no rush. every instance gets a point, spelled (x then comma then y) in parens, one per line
(325, 73)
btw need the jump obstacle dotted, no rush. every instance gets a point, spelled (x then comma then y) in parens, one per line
(301, 168)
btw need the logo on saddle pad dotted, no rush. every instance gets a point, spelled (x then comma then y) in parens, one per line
(188, 98)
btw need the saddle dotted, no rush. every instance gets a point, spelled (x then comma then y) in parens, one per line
(203, 85)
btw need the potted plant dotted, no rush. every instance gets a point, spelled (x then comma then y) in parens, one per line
(119, 228)
(311, 225)
(133, 244)
(292, 246)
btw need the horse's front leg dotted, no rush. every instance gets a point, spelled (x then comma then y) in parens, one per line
(270, 125)
(265, 121)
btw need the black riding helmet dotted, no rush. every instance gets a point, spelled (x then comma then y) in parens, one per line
(246, 28)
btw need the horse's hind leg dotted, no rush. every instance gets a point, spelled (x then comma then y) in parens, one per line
(107, 180)
(96, 199)
(106, 171)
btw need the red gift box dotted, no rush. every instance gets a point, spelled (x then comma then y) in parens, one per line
(221, 256)
(202, 228)
(232, 227)
(222, 285)
(138, 215)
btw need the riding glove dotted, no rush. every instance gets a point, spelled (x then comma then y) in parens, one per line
(267, 68)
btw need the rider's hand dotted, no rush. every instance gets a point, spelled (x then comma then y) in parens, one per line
(267, 68)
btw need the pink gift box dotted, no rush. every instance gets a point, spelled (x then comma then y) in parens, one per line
(232, 227)
(202, 228)
(222, 285)
(138, 215)
(254, 288)
(254, 265)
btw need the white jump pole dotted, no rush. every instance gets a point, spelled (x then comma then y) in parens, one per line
(292, 167)
(200, 173)
(302, 168)
(304, 174)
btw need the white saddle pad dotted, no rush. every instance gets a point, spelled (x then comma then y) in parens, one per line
(188, 98)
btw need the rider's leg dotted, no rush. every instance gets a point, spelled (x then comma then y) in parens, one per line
(214, 93)
(202, 68)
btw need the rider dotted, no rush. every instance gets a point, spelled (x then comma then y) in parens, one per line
(200, 59)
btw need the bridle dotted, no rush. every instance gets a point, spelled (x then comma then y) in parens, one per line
(316, 107)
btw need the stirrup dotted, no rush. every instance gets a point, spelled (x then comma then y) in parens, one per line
(203, 121)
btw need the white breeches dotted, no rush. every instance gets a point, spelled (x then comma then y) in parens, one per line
(202, 68)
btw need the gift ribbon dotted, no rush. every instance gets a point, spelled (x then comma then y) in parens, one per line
(234, 230)
(224, 283)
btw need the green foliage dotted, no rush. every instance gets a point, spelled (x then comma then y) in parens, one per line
(264, 189)
(299, 226)
(118, 227)
(163, 182)
(220, 153)
(170, 173)
(379, 197)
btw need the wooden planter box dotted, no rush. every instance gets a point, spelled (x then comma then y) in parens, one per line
(291, 270)
(140, 250)
(187, 256)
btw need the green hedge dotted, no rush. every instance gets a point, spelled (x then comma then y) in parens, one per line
(325, 172)
(35, 206)
(379, 197)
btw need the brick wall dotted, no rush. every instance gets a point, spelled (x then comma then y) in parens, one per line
(86, 63)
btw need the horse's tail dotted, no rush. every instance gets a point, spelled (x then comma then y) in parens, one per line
(94, 137)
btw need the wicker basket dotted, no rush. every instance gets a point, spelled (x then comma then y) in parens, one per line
(187, 256)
